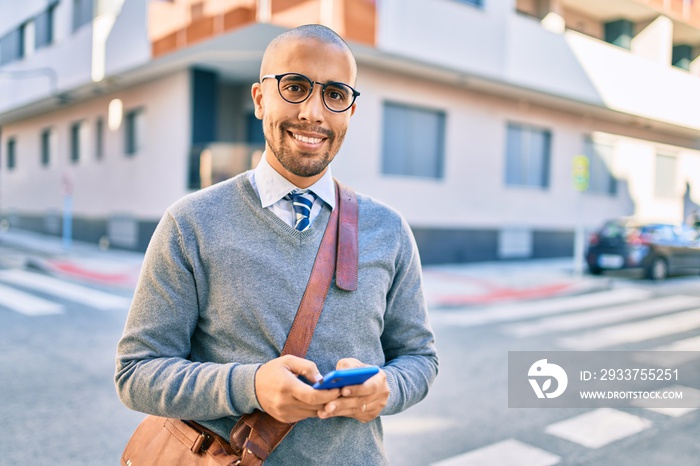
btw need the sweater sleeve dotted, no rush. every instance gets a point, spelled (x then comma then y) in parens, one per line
(408, 340)
(153, 372)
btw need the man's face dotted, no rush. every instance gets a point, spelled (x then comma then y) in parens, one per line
(302, 139)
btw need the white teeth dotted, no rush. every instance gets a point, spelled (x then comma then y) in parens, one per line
(305, 139)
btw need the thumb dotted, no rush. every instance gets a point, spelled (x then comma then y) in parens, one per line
(303, 367)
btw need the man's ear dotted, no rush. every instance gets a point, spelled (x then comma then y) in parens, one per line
(256, 93)
(352, 109)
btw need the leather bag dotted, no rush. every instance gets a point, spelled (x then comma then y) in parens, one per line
(160, 441)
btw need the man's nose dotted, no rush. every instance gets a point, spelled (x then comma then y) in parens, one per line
(312, 109)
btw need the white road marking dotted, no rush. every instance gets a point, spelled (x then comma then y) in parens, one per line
(527, 310)
(598, 428)
(689, 344)
(27, 304)
(509, 452)
(633, 332)
(672, 355)
(66, 290)
(690, 396)
(605, 315)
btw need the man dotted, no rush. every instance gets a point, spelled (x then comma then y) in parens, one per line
(227, 266)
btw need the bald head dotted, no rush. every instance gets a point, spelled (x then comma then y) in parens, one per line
(309, 32)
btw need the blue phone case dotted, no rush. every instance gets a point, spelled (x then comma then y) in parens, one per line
(344, 377)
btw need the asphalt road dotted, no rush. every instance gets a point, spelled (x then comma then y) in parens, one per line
(60, 407)
(465, 420)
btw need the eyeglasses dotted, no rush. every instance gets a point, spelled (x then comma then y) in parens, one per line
(295, 88)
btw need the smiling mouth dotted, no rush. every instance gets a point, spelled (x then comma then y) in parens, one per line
(306, 139)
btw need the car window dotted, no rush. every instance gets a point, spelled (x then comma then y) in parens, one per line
(660, 232)
(614, 230)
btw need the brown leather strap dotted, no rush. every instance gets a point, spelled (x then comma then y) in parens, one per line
(311, 304)
(256, 435)
(347, 265)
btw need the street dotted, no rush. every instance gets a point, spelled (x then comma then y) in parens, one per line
(465, 420)
(58, 339)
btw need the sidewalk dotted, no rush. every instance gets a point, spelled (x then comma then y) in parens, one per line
(446, 286)
(83, 261)
(486, 283)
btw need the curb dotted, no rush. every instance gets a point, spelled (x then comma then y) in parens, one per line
(69, 269)
(448, 290)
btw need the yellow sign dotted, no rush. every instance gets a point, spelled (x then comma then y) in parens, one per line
(580, 172)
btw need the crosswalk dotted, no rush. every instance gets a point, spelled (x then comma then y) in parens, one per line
(605, 320)
(19, 289)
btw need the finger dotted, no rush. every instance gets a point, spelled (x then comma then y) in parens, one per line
(370, 386)
(349, 363)
(313, 397)
(358, 408)
(302, 367)
(364, 389)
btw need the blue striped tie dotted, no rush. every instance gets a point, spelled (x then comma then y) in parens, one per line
(302, 200)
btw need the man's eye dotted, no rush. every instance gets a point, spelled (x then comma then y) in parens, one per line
(295, 88)
(335, 95)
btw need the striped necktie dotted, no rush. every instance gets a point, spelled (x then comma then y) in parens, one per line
(302, 200)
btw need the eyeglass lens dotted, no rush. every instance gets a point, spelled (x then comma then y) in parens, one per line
(295, 88)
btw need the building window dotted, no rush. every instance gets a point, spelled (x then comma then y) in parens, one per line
(99, 138)
(134, 131)
(78, 140)
(478, 3)
(43, 27)
(682, 56)
(254, 130)
(527, 156)
(12, 46)
(82, 13)
(414, 141)
(601, 179)
(46, 146)
(665, 179)
(620, 33)
(11, 155)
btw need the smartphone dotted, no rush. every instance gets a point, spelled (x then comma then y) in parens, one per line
(344, 377)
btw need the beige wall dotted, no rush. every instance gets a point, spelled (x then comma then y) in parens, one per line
(141, 185)
(584, 24)
(473, 192)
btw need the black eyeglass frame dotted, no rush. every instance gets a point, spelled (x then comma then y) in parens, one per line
(278, 77)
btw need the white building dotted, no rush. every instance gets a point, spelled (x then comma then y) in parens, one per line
(470, 117)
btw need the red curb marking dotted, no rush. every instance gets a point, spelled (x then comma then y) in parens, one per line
(72, 269)
(447, 276)
(503, 294)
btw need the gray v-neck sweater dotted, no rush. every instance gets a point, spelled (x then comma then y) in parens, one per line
(220, 286)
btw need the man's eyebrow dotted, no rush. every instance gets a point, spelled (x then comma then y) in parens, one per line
(295, 77)
(300, 77)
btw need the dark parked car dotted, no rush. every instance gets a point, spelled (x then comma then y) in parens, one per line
(658, 249)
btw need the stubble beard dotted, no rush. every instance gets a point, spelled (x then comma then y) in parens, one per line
(299, 163)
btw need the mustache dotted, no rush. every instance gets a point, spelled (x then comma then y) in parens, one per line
(310, 129)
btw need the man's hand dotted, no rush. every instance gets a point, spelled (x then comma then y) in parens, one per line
(286, 398)
(362, 402)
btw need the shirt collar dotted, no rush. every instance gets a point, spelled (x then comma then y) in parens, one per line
(272, 186)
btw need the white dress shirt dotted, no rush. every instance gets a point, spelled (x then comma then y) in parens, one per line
(272, 188)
